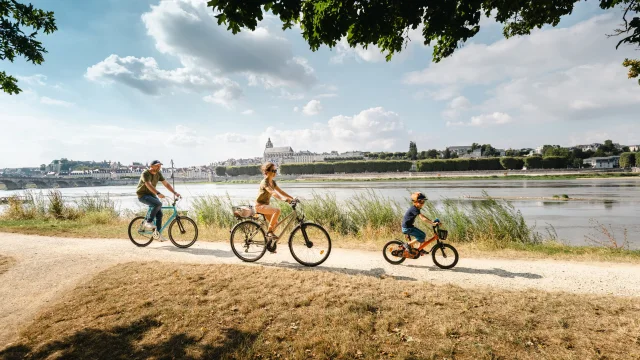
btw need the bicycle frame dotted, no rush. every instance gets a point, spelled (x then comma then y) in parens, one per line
(168, 221)
(427, 242)
(289, 219)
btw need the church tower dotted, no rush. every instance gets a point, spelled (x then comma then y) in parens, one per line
(269, 144)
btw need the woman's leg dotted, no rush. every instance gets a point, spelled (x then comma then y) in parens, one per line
(272, 214)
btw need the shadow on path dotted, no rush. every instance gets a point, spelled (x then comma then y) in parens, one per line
(495, 271)
(198, 251)
(121, 342)
(375, 272)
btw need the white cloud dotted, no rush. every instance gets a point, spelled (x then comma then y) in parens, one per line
(230, 137)
(37, 79)
(55, 102)
(456, 106)
(248, 112)
(225, 96)
(188, 30)
(541, 52)
(313, 107)
(296, 109)
(185, 137)
(284, 94)
(372, 129)
(328, 95)
(145, 75)
(484, 120)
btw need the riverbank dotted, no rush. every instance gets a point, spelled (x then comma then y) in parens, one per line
(450, 176)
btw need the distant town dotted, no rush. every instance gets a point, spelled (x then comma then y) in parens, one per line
(595, 155)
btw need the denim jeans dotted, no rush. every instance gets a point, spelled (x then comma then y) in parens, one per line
(153, 201)
(416, 233)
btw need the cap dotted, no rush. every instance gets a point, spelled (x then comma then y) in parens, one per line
(156, 162)
(418, 196)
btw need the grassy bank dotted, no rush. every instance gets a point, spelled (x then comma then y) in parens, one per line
(489, 228)
(160, 310)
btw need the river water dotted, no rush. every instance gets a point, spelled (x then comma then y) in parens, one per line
(612, 202)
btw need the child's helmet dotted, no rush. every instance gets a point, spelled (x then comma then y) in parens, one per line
(417, 196)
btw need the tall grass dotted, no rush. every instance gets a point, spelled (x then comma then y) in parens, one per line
(52, 205)
(370, 216)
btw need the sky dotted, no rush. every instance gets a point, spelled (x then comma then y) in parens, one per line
(159, 79)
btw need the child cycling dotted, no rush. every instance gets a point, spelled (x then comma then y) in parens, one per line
(409, 218)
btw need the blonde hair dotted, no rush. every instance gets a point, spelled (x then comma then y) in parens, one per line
(266, 167)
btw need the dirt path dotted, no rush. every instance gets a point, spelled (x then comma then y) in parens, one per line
(47, 267)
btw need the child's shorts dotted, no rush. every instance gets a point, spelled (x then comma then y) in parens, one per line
(416, 233)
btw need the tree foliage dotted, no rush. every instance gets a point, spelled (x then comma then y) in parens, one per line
(627, 160)
(413, 151)
(385, 23)
(14, 17)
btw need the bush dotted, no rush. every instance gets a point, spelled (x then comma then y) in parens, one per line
(533, 162)
(512, 163)
(243, 170)
(638, 159)
(221, 170)
(627, 160)
(554, 162)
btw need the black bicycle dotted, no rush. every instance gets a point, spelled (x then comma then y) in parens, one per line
(309, 243)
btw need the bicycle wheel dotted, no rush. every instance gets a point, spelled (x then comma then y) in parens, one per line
(248, 241)
(393, 246)
(444, 255)
(137, 234)
(310, 244)
(183, 232)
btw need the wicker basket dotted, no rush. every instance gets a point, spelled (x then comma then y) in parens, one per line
(243, 211)
(442, 234)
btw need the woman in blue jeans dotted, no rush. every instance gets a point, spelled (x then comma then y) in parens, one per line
(149, 195)
(409, 218)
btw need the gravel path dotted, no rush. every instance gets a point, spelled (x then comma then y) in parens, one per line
(47, 267)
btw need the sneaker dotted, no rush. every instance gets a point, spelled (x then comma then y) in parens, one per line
(162, 238)
(149, 226)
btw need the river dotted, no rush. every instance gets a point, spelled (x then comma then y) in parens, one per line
(611, 202)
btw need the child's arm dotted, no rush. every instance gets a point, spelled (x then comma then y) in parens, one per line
(427, 220)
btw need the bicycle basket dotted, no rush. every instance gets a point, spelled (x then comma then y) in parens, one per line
(442, 234)
(243, 211)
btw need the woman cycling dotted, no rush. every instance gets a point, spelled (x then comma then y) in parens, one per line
(268, 188)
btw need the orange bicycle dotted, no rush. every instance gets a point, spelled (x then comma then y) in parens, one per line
(445, 256)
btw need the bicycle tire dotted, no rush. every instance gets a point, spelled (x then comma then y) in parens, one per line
(260, 233)
(184, 219)
(440, 247)
(385, 249)
(300, 228)
(135, 230)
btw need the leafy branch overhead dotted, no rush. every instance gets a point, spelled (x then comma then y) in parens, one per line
(14, 18)
(446, 23)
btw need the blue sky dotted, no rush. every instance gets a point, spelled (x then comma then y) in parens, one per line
(139, 80)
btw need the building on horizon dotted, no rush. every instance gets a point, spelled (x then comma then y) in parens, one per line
(285, 154)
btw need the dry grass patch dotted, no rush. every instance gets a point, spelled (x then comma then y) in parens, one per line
(6, 262)
(158, 310)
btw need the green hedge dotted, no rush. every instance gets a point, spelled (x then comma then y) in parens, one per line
(533, 162)
(628, 160)
(638, 159)
(243, 170)
(554, 162)
(493, 163)
(221, 170)
(512, 163)
(348, 167)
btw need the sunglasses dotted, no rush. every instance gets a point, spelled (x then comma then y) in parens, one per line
(275, 171)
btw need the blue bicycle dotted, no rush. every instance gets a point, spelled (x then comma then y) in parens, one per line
(183, 231)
